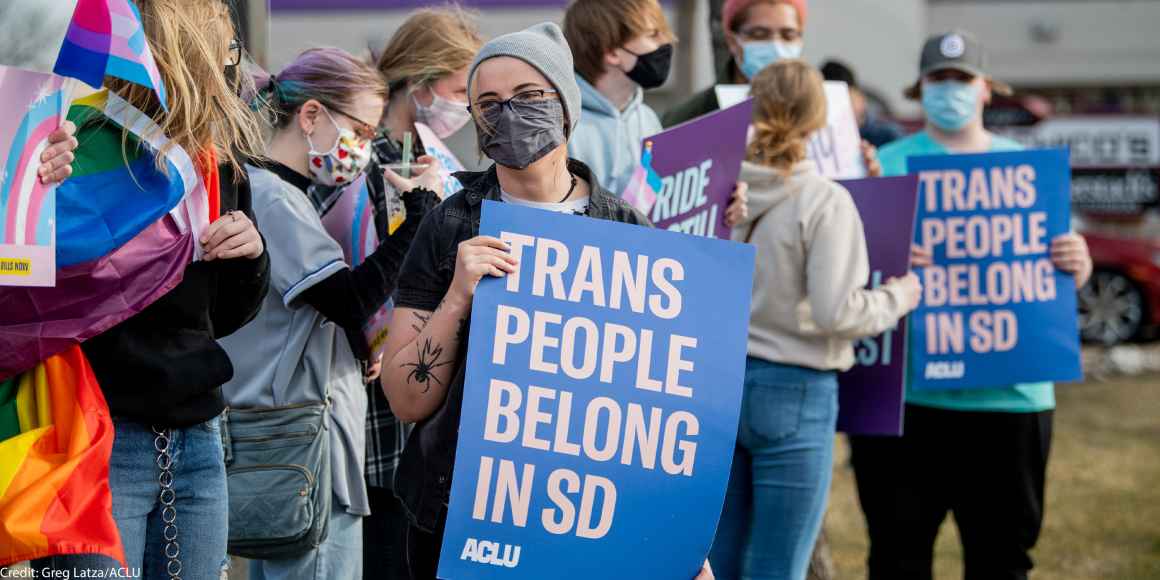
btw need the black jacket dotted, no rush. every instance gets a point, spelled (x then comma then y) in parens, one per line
(423, 478)
(163, 366)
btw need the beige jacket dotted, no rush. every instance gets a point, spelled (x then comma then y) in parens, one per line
(809, 298)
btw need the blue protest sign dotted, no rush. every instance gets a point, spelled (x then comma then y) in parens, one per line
(994, 309)
(601, 401)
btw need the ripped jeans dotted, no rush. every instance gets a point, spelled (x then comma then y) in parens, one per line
(202, 516)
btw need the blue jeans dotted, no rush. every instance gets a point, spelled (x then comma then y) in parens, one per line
(339, 556)
(781, 473)
(199, 481)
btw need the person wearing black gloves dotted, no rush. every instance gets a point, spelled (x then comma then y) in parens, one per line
(306, 343)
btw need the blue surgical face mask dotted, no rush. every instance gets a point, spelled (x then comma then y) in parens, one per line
(758, 55)
(950, 105)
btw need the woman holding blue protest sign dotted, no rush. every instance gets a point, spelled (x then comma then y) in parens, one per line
(525, 102)
(980, 454)
(305, 346)
(809, 303)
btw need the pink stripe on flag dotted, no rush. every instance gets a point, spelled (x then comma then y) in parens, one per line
(121, 7)
(38, 134)
(35, 204)
(92, 14)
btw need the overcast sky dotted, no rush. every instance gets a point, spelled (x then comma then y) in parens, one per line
(31, 31)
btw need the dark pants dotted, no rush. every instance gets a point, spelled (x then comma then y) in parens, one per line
(985, 468)
(384, 536)
(423, 553)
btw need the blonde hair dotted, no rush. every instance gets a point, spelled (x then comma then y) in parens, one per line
(189, 40)
(789, 104)
(594, 27)
(433, 43)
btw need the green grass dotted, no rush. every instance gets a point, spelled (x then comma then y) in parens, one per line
(1103, 492)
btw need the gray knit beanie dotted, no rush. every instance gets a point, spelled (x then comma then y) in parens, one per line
(543, 46)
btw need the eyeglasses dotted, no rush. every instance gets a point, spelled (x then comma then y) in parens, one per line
(520, 103)
(363, 130)
(234, 54)
(762, 33)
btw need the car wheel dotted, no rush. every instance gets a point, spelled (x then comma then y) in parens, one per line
(1111, 308)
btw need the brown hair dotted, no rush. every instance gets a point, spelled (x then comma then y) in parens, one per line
(331, 76)
(594, 27)
(431, 44)
(189, 40)
(789, 104)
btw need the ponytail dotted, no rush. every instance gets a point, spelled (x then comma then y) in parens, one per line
(789, 106)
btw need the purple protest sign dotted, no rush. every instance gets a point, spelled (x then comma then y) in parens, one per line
(699, 162)
(870, 394)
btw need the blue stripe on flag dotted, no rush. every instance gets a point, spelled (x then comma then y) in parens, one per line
(129, 70)
(101, 211)
(81, 63)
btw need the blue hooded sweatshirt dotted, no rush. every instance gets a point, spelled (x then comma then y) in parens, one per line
(608, 140)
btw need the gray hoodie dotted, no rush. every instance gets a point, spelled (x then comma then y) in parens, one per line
(809, 298)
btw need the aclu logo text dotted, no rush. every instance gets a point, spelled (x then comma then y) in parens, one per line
(494, 553)
(945, 370)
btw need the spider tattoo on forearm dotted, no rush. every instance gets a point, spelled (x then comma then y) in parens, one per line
(427, 361)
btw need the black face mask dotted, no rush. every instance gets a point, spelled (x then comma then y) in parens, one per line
(652, 69)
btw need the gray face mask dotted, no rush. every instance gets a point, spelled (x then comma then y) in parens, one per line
(523, 133)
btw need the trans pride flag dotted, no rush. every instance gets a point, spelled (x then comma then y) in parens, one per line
(350, 220)
(36, 104)
(55, 440)
(642, 188)
(126, 232)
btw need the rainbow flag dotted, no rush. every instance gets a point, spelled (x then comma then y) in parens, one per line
(55, 440)
(38, 102)
(125, 233)
(645, 183)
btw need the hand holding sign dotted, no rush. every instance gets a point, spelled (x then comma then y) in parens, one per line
(1069, 252)
(478, 257)
(56, 161)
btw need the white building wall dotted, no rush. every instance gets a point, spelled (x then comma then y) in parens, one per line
(1061, 42)
(879, 39)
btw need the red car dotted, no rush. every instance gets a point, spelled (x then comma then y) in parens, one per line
(1122, 300)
